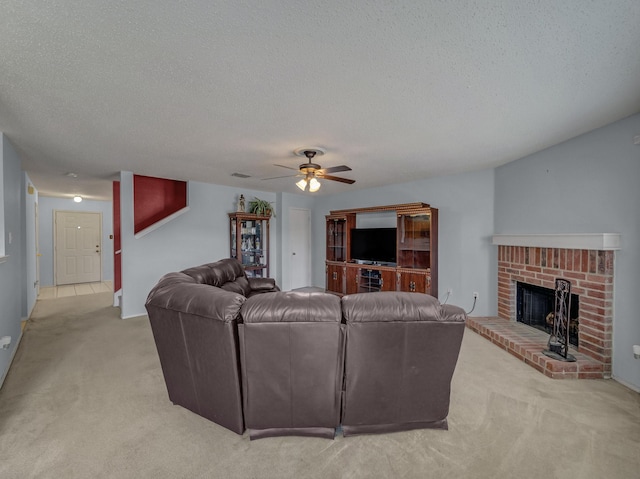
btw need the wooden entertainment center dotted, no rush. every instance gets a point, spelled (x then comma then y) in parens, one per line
(416, 265)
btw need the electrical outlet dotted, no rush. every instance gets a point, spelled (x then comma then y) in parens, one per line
(475, 295)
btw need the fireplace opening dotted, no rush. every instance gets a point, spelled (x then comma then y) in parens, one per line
(536, 306)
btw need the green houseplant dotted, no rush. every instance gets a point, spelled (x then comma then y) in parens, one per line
(261, 207)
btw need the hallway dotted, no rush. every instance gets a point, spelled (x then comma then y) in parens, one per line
(66, 290)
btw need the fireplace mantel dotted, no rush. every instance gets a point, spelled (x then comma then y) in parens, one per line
(588, 241)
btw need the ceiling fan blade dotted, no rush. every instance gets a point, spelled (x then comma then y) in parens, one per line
(334, 169)
(276, 177)
(337, 178)
(287, 167)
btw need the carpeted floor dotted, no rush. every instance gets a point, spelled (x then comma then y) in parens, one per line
(85, 398)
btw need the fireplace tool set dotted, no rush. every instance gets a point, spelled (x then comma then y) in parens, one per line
(558, 344)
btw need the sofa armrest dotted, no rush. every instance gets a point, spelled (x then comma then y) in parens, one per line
(263, 284)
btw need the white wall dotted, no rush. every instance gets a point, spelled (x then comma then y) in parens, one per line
(586, 185)
(466, 259)
(201, 235)
(46, 207)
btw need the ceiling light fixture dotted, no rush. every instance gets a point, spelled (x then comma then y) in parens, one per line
(77, 198)
(313, 183)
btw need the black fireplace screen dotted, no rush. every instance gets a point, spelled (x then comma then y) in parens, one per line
(536, 305)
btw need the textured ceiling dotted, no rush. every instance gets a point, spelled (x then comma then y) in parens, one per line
(198, 90)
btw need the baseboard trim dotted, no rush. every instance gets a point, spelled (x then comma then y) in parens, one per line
(626, 384)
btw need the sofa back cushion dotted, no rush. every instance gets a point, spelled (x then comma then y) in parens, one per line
(292, 307)
(218, 273)
(240, 285)
(395, 306)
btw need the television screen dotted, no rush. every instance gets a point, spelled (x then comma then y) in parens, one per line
(377, 245)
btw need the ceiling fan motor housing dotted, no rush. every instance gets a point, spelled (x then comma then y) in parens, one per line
(309, 167)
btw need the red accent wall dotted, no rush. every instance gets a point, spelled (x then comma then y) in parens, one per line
(156, 198)
(117, 257)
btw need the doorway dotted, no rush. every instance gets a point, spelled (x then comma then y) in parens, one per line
(78, 247)
(300, 247)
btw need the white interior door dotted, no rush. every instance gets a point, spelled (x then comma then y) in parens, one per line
(78, 247)
(300, 243)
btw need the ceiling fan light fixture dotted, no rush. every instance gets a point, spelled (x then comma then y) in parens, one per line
(314, 185)
(302, 184)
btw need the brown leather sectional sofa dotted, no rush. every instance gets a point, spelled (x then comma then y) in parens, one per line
(293, 363)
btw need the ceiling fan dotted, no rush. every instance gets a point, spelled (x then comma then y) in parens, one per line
(312, 172)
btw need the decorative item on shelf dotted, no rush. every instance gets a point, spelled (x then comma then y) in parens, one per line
(241, 204)
(261, 207)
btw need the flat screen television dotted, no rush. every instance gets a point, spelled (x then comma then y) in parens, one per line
(373, 245)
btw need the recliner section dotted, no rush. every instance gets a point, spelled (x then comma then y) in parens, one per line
(291, 355)
(402, 349)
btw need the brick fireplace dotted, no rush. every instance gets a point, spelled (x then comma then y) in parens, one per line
(585, 260)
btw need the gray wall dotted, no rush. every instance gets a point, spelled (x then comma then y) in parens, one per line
(586, 185)
(466, 259)
(46, 207)
(200, 235)
(11, 271)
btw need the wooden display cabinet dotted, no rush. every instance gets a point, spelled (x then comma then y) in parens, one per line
(249, 242)
(416, 268)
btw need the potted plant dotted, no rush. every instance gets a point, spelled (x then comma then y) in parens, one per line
(261, 207)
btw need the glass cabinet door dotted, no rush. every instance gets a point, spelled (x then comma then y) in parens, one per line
(253, 247)
(414, 241)
(336, 240)
(249, 237)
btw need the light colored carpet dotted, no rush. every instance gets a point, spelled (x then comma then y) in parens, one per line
(85, 398)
